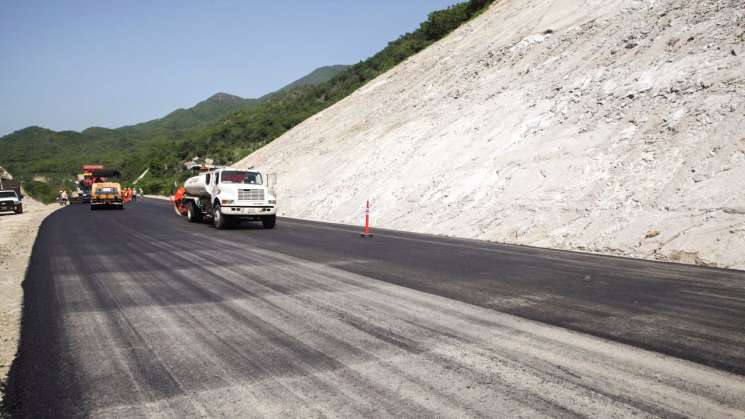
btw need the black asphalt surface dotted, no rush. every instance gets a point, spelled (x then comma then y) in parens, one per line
(89, 267)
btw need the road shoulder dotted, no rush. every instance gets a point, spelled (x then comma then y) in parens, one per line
(17, 235)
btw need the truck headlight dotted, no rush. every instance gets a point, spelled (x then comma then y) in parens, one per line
(227, 201)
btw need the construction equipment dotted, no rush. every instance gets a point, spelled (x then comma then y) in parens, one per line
(82, 192)
(226, 195)
(88, 173)
(105, 193)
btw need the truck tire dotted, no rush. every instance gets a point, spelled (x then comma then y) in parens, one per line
(19, 209)
(269, 221)
(218, 218)
(193, 213)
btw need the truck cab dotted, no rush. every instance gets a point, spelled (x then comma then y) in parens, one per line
(106, 195)
(10, 201)
(230, 195)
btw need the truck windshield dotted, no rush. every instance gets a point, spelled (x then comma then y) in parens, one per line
(250, 178)
(8, 194)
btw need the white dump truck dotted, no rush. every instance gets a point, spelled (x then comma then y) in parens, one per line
(227, 195)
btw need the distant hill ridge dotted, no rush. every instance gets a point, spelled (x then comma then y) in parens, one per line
(57, 155)
(222, 97)
(317, 76)
(162, 145)
(201, 114)
(205, 111)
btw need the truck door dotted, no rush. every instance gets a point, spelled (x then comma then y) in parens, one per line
(208, 183)
(216, 186)
(271, 183)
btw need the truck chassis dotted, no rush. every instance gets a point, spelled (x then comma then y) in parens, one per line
(196, 209)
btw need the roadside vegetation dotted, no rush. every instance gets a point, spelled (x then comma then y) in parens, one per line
(230, 135)
(46, 161)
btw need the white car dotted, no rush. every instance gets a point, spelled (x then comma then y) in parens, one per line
(9, 201)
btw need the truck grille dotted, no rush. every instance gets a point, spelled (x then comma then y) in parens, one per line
(250, 194)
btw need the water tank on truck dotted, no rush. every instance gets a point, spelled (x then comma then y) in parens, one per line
(197, 186)
(227, 196)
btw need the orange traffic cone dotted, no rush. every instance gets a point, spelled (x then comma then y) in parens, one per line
(366, 233)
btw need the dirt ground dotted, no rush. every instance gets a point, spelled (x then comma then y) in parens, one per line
(17, 235)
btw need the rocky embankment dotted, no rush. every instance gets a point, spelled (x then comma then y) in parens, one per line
(605, 126)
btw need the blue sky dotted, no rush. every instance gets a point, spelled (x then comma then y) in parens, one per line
(74, 64)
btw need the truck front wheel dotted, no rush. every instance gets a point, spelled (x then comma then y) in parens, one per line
(19, 209)
(269, 221)
(193, 213)
(220, 220)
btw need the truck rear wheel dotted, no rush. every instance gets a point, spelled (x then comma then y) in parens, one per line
(269, 221)
(193, 213)
(220, 220)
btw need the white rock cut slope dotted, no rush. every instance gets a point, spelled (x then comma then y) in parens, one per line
(598, 125)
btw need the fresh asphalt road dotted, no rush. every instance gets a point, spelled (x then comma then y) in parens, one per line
(138, 313)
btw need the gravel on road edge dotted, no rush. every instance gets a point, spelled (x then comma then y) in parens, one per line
(17, 236)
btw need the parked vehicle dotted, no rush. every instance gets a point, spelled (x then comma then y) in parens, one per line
(81, 195)
(11, 198)
(10, 201)
(227, 195)
(11, 185)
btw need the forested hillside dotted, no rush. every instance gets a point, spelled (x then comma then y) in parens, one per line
(53, 158)
(46, 161)
(318, 76)
(203, 113)
(244, 132)
(224, 127)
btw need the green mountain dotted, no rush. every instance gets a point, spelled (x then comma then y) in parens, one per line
(36, 152)
(317, 76)
(243, 132)
(201, 114)
(224, 127)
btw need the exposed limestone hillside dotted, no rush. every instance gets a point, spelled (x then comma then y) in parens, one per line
(597, 125)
